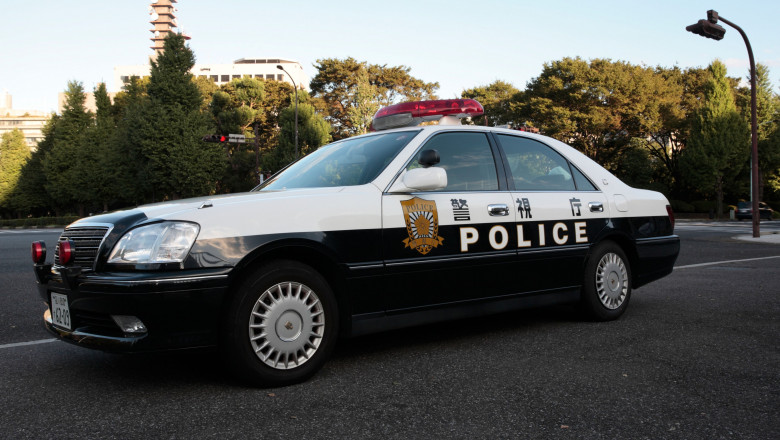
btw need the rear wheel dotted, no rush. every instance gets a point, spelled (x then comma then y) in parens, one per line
(281, 326)
(607, 285)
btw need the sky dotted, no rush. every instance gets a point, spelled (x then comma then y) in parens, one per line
(459, 44)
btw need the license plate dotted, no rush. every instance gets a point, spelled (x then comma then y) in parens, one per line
(60, 313)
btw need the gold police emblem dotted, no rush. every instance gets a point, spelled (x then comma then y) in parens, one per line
(422, 224)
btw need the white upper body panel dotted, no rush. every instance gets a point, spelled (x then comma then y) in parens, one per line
(360, 207)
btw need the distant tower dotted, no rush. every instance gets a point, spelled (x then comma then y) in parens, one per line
(164, 22)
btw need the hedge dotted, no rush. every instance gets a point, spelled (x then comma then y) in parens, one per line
(37, 222)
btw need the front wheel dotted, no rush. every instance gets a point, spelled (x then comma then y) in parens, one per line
(607, 283)
(281, 326)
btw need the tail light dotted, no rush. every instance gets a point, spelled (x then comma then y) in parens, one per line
(67, 252)
(671, 215)
(38, 252)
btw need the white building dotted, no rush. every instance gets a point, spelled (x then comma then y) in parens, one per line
(30, 122)
(264, 68)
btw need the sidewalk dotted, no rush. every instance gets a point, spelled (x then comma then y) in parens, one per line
(766, 237)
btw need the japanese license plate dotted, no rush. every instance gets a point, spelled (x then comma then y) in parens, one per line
(60, 313)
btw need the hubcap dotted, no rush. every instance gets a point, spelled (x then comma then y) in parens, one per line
(286, 325)
(611, 281)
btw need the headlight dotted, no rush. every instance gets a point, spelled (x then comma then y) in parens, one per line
(166, 242)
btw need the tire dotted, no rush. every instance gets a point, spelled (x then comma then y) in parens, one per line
(607, 283)
(297, 305)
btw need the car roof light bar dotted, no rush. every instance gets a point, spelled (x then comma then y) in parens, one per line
(408, 114)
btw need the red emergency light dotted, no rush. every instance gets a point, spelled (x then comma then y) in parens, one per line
(408, 114)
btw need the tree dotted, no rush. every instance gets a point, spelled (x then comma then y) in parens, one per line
(133, 174)
(313, 132)
(339, 86)
(236, 106)
(14, 154)
(597, 106)
(718, 144)
(364, 107)
(31, 195)
(178, 163)
(104, 174)
(498, 101)
(66, 183)
(768, 118)
(680, 96)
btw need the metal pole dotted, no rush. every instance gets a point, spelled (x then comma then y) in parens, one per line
(753, 132)
(279, 66)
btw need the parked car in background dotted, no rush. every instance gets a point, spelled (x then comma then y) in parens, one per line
(744, 210)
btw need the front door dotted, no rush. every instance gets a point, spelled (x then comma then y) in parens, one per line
(455, 244)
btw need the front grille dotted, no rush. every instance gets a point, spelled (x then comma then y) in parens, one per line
(86, 244)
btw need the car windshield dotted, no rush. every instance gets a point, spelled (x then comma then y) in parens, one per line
(354, 161)
(743, 205)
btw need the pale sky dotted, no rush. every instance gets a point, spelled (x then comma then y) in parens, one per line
(460, 44)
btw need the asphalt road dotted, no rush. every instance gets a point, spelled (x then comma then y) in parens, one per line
(696, 356)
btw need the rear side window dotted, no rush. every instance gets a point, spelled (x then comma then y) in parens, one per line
(535, 166)
(582, 182)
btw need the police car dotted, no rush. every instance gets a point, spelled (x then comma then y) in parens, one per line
(404, 226)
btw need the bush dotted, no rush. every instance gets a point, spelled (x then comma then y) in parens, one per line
(681, 207)
(38, 222)
(704, 206)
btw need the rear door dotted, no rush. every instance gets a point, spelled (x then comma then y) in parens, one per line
(559, 213)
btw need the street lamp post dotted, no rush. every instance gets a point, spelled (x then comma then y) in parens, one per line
(279, 66)
(710, 29)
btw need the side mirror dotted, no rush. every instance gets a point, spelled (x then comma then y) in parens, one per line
(428, 158)
(421, 179)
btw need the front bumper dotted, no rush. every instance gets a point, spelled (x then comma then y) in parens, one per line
(179, 309)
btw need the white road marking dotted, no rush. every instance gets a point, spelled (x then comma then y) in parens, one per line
(21, 344)
(724, 262)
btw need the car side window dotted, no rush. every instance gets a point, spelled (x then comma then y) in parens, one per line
(535, 166)
(582, 182)
(468, 160)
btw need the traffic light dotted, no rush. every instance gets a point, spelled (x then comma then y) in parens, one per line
(215, 138)
(706, 28)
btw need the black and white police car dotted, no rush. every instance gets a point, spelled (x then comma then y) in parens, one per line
(403, 226)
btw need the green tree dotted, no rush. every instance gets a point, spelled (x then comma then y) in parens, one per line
(237, 105)
(364, 106)
(313, 132)
(177, 162)
(718, 144)
(105, 174)
(31, 195)
(133, 173)
(498, 100)
(207, 88)
(14, 155)
(771, 148)
(680, 96)
(768, 119)
(66, 184)
(596, 106)
(337, 82)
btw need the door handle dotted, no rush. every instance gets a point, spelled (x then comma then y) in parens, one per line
(500, 209)
(596, 206)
